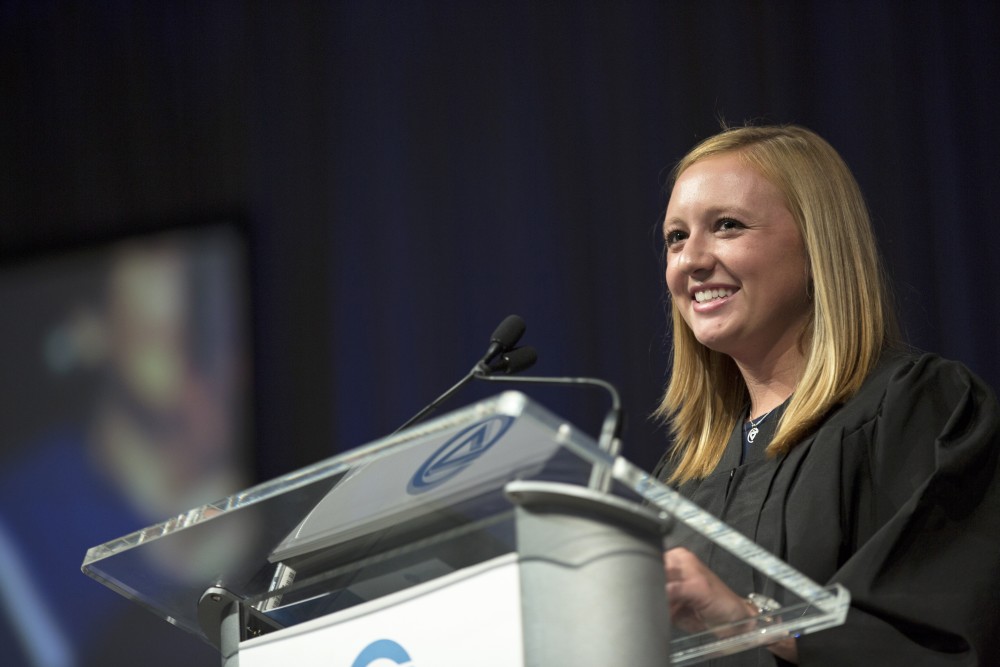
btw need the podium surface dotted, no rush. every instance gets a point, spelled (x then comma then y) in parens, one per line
(415, 511)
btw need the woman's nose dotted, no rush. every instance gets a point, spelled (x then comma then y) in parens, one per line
(695, 258)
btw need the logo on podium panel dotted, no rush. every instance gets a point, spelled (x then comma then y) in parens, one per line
(382, 653)
(459, 452)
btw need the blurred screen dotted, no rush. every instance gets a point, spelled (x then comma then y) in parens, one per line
(124, 396)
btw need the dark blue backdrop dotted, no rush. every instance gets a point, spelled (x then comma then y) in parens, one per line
(408, 173)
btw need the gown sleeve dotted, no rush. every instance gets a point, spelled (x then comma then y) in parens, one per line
(924, 575)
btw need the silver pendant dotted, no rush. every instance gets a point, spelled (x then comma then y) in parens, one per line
(752, 434)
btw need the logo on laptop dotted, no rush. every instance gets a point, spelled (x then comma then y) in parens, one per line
(382, 650)
(459, 452)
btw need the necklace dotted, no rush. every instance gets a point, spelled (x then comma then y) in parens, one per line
(752, 433)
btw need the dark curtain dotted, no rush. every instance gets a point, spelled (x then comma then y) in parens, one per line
(408, 173)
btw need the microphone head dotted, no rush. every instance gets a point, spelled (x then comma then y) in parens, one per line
(517, 360)
(509, 332)
(504, 338)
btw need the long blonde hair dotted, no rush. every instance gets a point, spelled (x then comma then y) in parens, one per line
(851, 319)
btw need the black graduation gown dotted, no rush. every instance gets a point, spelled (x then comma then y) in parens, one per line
(897, 497)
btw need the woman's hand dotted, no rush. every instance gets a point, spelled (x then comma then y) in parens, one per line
(698, 600)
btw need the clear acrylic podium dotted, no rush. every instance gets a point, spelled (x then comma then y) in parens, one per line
(497, 534)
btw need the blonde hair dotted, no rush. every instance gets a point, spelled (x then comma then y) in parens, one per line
(851, 319)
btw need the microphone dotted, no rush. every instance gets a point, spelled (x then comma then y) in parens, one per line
(516, 360)
(503, 340)
(502, 357)
(610, 440)
(522, 358)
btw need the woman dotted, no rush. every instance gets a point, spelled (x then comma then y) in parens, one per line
(799, 419)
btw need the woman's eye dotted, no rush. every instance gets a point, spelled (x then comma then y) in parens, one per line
(674, 236)
(730, 223)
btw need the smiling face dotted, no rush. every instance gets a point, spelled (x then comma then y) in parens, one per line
(737, 267)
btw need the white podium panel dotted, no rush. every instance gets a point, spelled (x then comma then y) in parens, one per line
(469, 617)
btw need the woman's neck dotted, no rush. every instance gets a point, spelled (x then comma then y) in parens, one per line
(770, 384)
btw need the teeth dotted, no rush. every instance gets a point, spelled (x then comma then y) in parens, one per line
(708, 295)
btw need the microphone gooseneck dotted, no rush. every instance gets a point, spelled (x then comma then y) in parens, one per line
(609, 441)
(611, 431)
(503, 340)
(502, 357)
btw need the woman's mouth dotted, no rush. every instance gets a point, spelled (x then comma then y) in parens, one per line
(704, 296)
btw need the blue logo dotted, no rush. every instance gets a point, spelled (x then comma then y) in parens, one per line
(459, 453)
(382, 649)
